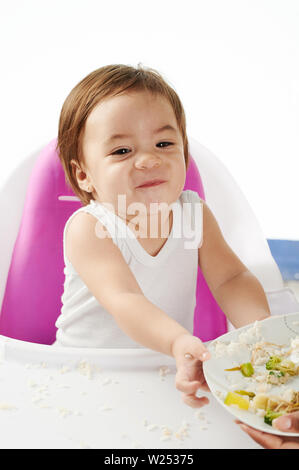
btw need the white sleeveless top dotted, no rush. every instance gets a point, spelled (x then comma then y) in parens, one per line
(168, 280)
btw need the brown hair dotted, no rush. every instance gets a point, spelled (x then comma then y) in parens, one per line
(106, 81)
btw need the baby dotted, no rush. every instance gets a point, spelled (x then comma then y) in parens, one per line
(131, 281)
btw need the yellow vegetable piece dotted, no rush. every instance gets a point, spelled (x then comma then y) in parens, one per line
(260, 401)
(235, 399)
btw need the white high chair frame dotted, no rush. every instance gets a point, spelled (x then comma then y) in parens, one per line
(235, 217)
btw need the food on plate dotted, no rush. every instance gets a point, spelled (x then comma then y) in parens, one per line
(236, 399)
(271, 366)
(282, 365)
(244, 392)
(277, 377)
(270, 415)
(246, 369)
(269, 405)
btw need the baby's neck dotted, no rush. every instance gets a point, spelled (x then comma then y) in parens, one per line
(151, 227)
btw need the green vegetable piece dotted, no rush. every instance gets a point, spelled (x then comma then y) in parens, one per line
(273, 362)
(247, 369)
(270, 415)
(244, 392)
(284, 366)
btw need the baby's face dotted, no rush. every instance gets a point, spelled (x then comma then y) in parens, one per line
(117, 166)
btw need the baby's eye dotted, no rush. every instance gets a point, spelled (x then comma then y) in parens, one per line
(167, 144)
(120, 152)
(124, 151)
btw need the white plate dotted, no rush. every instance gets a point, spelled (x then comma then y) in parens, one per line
(276, 329)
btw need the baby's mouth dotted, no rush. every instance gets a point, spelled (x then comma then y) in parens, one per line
(150, 184)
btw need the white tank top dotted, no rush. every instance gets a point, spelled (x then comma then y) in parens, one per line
(168, 280)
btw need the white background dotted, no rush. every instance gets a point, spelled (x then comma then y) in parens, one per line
(234, 63)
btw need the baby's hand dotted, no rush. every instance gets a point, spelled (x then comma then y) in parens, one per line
(189, 353)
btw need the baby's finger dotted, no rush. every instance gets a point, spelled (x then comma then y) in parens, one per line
(204, 386)
(189, 349)
(186, 386)
(194, 401)
(198, 351)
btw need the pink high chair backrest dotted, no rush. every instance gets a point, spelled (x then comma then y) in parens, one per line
(32, 298)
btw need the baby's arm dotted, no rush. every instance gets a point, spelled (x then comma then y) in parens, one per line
(237, 291)
(103, 269)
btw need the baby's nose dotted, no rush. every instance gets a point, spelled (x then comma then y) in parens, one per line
(148, 161)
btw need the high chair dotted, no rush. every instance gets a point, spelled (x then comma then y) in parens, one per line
(35, 204)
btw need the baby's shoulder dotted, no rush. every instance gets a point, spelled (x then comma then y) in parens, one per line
(79, 222)
(83, 225)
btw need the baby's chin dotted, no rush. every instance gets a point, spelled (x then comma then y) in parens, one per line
(157, 195)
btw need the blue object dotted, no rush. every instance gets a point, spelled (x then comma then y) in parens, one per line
(286, 255)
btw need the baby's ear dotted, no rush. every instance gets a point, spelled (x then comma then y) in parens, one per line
(78, 170)
(79, 174)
